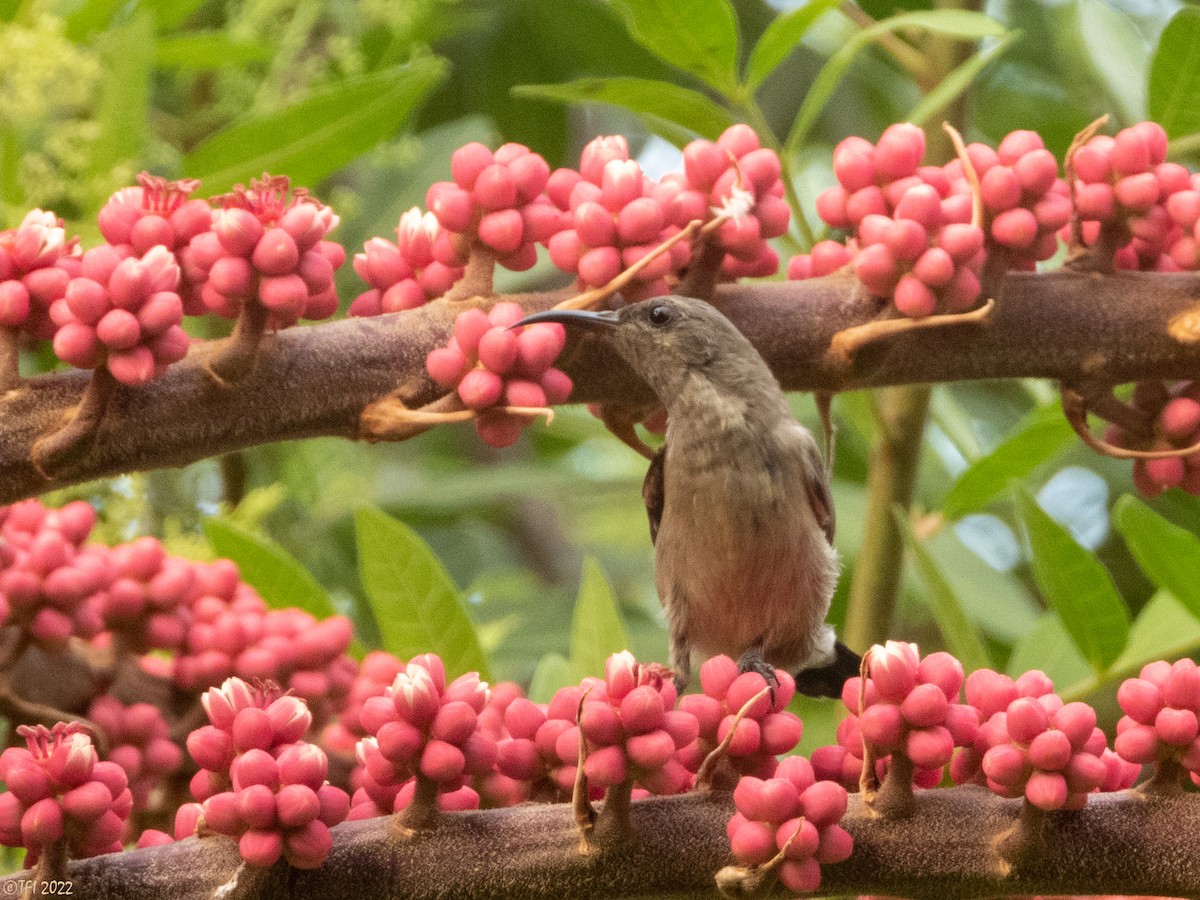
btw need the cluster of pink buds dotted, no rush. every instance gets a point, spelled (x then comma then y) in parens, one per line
(633, 730)
(423, 728)
(145, 603)
(909, 706)
(1161, 707)
(1126, 182)
(614, 216)
(123, 313)
(792, 813)
(158, 213)
(913, 241)
(1025, 203)
(493, 366)
(403, 275)
(36, 262)
(766, 729)
(737, 177)
(541, 750)
(1175, 414)
(260, 782)
(139, 742)
(267, 245)
(376, 673)
(49, 582)
(58, 791)
(495, 199)
(226, 618)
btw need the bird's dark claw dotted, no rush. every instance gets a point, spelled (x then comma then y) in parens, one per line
(752, 661)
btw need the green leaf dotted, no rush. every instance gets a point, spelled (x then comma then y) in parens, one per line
(956, 83)
(1174, 89)
(781, 37)
(1043, 434)
(170, 14)
(596, 629)
(1050, 648)
(1076, 585)
(1118, 54)
(277, 576)
(660, 99)
(1168, 554)
(961, 637)
(316, 136)
(553, 671)
(952, 23)
(207, 50)
(415, 603)
(698, 36)
(89, 18)
(127, 52)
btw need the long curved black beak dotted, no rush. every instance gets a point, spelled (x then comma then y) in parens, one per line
(581, 318)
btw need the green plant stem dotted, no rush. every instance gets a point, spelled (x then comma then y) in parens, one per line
(891, 480)
(896, 452)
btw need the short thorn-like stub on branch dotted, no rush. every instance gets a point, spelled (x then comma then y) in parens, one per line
(55, 452)
(388, 419)
(581, 805)
(1024, 841)
(422, 813)
(1076, 410)
(846, 343)
(704, 777)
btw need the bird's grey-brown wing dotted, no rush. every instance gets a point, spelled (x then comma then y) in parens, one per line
(653, 492)
(816, 480)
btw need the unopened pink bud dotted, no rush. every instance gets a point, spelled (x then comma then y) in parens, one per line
(261, 848)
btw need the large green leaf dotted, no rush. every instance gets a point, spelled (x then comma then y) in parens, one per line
(596, 629)
(1042, 435)
(961, 637)
(698, 36)
(1076, 585)
(958, 24)
(415, 603)
(128, 54)
(316, 136)
(1050, 648)
(553, 671)
(781, 37)
(277, 576)
(1168, 554)
(207, 50)
(660, 99)
(1174, 89)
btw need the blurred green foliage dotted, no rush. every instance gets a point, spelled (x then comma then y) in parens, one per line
(545, 562)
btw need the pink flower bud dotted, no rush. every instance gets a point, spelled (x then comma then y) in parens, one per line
(307, 847)
(480, 388)
(650, 750)
(1046, 790)
(467, 162)
(620, 674)
(261, 848)
(442, 761)
(882, 726)
(1136, 743)
(606, 766)
(824, 803)
(893, 667)
(502, 230)
(276, 253)
(254, 767)
(42, 824)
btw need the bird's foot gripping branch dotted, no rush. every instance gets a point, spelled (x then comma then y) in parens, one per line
(396, 778)
(933, 279)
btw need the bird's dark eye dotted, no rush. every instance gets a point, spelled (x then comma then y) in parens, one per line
(661, 315)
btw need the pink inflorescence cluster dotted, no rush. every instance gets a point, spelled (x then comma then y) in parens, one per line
(764, 730)
(1161, 707)
(494, 367)
(422, 728)
(259, 781)
(403, 275)
(267, 245)
(1174, 414)
(794, 814)
(36, 262)
(139, 742)
(58, 790)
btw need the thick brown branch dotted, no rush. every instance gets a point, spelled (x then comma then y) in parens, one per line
(1118, 844)
(317, 380)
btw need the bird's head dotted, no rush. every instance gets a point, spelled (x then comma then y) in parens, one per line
(666, 340)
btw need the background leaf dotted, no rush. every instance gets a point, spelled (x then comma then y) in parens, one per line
(318, 135)
(277, 576)
(415, 603)
(698, 36)
(1075, 585)
(781, 38)
(661, 99)
(1174, 90)
(596, 628)
(1168, 554)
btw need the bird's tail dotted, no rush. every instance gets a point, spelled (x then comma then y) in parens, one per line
(827, 680)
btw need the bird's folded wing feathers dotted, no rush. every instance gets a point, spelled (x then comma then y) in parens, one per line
(653, 491)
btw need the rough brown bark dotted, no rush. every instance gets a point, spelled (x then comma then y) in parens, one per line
(1119, 843)
(317, 380)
